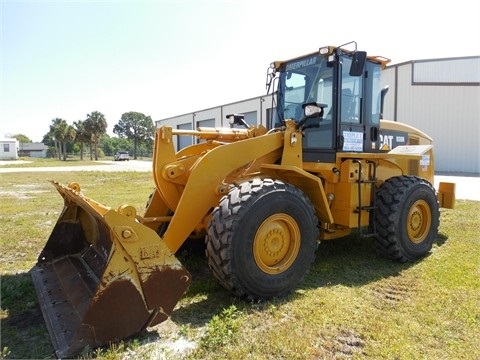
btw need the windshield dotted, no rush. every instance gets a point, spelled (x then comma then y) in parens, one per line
(303, 81)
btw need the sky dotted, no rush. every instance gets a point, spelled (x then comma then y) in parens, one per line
(66, 59)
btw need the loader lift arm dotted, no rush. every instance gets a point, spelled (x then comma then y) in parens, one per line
(205, 183)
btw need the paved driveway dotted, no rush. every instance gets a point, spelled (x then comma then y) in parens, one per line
(132, 165)
(467, 187)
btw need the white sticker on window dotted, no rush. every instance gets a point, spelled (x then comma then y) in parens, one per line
(352, 141)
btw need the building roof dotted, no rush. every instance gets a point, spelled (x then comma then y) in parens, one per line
(33, 147)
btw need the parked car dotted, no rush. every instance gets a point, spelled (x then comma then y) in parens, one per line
(121, 156)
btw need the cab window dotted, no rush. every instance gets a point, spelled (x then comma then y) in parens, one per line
(351, 95)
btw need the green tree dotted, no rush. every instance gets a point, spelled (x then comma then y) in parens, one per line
(95, 126)
(48, 140)
(68, 138)
(55, 132)
(82, 137)
(137, 127)
(62, 134)
(22, 138)
(111, 145)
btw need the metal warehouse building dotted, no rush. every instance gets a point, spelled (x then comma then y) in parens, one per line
(441, 97)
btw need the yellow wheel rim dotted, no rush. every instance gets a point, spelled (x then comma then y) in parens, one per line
(419, 221)
(276, 243)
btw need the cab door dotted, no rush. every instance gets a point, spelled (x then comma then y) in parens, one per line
(359, 109)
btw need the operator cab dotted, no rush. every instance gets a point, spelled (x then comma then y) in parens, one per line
(345, 85)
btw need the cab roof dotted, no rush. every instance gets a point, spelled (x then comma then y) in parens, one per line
(383, 61)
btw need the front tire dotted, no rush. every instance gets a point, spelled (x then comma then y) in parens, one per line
(407, 218)
(262, 239)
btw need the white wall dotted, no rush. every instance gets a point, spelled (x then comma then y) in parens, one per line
(8, 149)
(448, 111)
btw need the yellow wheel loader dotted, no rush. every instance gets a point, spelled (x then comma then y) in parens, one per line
(261, 197)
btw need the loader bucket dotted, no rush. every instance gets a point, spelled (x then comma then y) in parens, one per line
(103, 276)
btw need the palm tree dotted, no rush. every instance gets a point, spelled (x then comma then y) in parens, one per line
(95, 125)
(69, 136)
(82, 137)
(58, 129)
(62, 134)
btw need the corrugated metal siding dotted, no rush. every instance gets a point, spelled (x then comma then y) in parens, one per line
(449, 114)
(388, 79)
(466, 70)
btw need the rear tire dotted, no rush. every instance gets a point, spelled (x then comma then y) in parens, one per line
(407, 218)
(262, 239)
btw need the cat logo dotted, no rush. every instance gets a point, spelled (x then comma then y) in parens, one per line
(386, 142)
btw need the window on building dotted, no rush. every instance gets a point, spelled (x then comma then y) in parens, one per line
(184, 141)
(273, 120)
(205, 123)
(6, 148)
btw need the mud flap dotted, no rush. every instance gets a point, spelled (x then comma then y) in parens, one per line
(103, 276)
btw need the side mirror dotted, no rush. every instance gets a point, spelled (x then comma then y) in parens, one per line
(358, 63)
(311, 110)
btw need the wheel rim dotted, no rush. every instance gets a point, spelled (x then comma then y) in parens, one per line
(276, 243)
(419, 221)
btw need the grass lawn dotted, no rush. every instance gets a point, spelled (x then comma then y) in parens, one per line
(352, 304)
